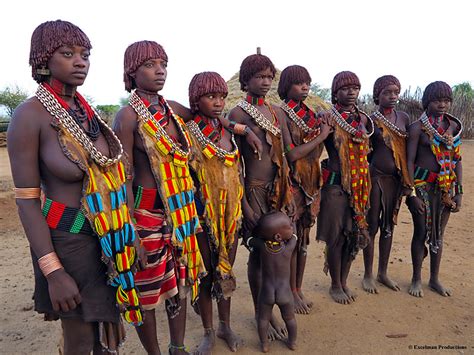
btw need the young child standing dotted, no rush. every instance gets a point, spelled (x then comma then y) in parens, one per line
(275, 243)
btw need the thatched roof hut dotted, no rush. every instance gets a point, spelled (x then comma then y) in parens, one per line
(235, 95)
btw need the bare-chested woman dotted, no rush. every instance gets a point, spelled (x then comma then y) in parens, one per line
(58, 145)
(434, 162)
(344, 197)
(266, 182)
(390, 179)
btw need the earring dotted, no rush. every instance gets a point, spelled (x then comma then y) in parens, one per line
(43, 71)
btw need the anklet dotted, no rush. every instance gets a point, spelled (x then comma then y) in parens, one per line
(176, 347)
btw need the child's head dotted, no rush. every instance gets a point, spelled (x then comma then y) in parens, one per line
(138, 55)
(207, 92)
(274, 226)
(386, 91)
(294, 83)
(252, 65)
(344, 85)
(437, 91)
(47, 38)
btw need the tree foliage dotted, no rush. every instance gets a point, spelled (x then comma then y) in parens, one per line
(107, 112)
(11, 97)
(464, 89)
(323, 93)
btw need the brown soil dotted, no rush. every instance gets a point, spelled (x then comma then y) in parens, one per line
(389, 322)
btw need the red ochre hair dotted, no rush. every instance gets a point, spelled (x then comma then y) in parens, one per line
(436, 90)
(381, 83)
(48, 37)
(135, 55)
(344, 78)
(205, 83)
(251, 66)
(294, 74)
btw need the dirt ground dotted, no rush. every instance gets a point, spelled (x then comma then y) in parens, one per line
(390, 322)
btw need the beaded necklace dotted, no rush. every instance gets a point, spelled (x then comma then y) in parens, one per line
(269, 244)
(351, 125)
(202, 131)
(439, 135)
(387, 123)
(304, 118)
(162, 118)
(165, 143)
(448, 157)
(210, 128)
(260, 119)
(53, 106)
(257, 101)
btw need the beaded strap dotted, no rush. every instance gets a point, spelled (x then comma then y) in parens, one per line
(297, 120)
(390, 125)
(54, 108)
(259, 118)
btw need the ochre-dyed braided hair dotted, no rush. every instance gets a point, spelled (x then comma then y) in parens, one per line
(436, 90)
(251, 66)
(294, 74)
(135, 55)
(48, 37)
(381, 83)
(344, 78)
(205, 83)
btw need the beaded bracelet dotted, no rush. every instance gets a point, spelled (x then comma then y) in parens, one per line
(49, 263)
(289, 147)
(458, 190)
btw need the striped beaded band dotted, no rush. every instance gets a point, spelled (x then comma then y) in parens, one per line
(67, 219)
(147, 199)
(425, 175)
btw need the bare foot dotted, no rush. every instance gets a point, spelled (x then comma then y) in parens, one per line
(278, 327)
(300, 306)
(207, 343)
(368, 284)
(351, 294)
(265, 347)
(226, 333)
(276, 333)
(436, 286)
(306, 301)
(339, 296)
(291, 345)
(416, 289)
(385, 280)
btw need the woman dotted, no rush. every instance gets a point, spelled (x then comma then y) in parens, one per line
(389, 174)
(59, 146)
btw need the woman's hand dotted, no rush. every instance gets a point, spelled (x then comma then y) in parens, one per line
(63, 291)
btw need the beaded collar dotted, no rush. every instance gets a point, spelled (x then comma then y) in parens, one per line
(259, 118)
(162, 118)
(357, 134)
(270, 246)
(391, 126)
(301, 115)
(157, 130)
(64, 119)
(257, 101)
(209, 148)
(447, 139)
(212, 131)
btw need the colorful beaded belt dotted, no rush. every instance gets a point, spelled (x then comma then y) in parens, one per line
(67, 219)
(425, 175)
(147, 199)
